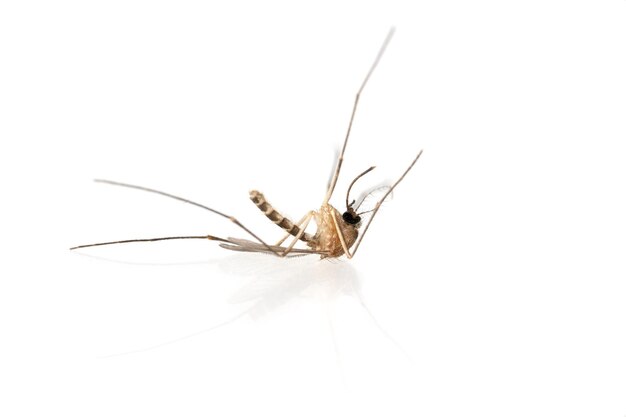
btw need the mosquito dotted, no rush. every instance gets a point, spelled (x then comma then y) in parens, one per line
(337, 234)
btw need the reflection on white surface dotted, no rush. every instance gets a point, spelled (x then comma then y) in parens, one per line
(272, 283)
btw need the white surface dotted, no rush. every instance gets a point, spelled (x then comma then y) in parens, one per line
(497, 270)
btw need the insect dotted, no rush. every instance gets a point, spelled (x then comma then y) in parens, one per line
(337, 234)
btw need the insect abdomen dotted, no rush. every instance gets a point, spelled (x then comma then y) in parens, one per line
(283, 222)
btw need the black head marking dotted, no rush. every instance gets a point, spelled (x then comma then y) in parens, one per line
(351, 217)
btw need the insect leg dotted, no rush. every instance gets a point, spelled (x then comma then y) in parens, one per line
(342, 239)
(299, 224)
(219, 213)
(333, 181)
(374, 211)
(378, 204)
(154, 239)
(305, 223)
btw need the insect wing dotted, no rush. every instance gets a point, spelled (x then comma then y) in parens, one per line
(368, 199)
(244, 245)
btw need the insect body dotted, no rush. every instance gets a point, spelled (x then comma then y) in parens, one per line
(334, 235)
(326, 240)
(337, 234)
(283, 222)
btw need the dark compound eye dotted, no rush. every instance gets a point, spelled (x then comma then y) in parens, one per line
(350, 218)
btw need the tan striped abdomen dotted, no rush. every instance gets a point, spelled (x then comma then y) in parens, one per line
(284, 223)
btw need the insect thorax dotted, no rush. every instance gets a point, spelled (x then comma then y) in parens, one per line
(326, 237)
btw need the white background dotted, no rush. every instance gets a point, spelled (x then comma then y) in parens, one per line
(493, 284)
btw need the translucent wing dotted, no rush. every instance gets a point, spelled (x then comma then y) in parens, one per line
(243, 245)
(368, 198)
